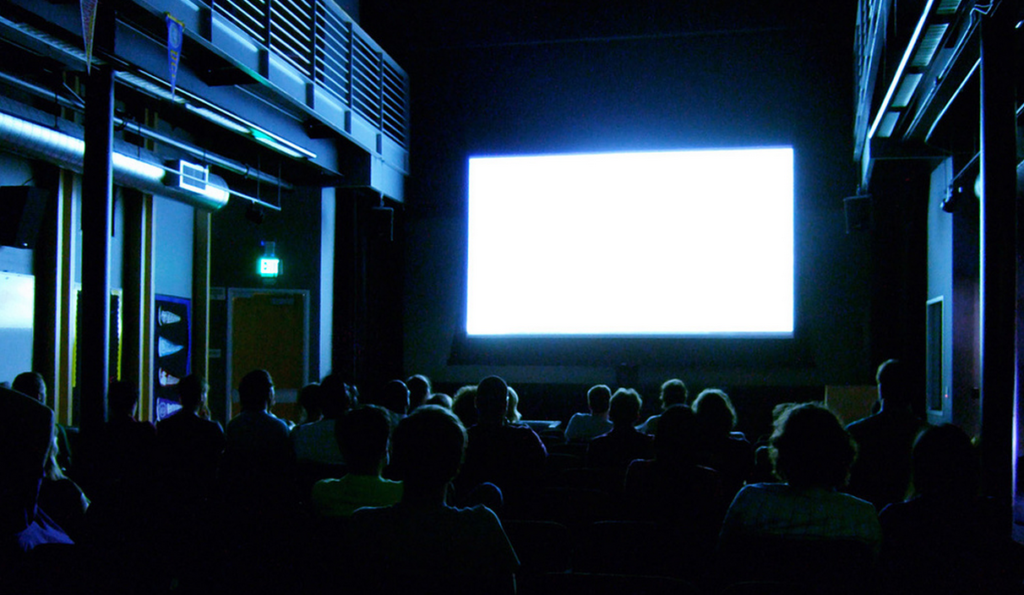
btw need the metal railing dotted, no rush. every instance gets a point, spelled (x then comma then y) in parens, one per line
(322, 44)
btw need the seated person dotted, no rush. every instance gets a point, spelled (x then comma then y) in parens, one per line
(421, 544)
(881, 474)
(315, 442)
(26, 436)
(719, 447)
(673, 487)
(258, 465)
(119, 466)
(767, 521)
(363, 439)
(190, 445)
(395, 400)
(584, 426)
(419, 390)
(33, 385)
(624, 443)
(310, 399)
(60, 497)
(512, 414)
(947, 538)
(673, 392)
(440, 399)
(464, 405)
(507, 455)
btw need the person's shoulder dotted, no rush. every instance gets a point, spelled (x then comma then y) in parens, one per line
(864, 424)
(478, 513)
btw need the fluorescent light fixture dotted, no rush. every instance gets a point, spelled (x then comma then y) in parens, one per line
(888, 124)
(883, 109)
(281, 145)
(910, 83)
(217, 118)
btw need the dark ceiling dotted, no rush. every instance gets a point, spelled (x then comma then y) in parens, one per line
(405, 26)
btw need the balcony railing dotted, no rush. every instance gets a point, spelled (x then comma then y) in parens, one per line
(323, 45)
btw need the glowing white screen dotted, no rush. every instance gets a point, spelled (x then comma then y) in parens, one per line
(675, 243)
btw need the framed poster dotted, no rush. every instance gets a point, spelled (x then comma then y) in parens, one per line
(173, 351)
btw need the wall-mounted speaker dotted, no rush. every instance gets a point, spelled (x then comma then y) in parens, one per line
(21, 214)
(858, 213)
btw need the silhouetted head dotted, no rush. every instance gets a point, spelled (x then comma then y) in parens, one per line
(945, 463)
(715, 413)
(810, 448)
(512, 414)
(673, 392)
(441, 400)
(311, 400)
(419, 390)
(427, 447)
(192, 392)
(362, 434)
(395, 397)
(31, 384)
(893, 383)
(676, 436)
(122, 398)
(337, 396)
(492, 399)
(256, 391)
(624, 407)
(598, 397)
(464, 405)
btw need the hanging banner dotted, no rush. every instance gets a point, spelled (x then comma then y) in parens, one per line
(88, 8)
(175, 38)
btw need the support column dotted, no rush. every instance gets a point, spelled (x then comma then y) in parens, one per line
(97, 214)
(998, 254)
(65, 381)
(46, 258)
(201, 294)
(137, 303)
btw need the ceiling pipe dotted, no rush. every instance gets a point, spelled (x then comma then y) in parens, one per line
(231, 165)
(39, 142)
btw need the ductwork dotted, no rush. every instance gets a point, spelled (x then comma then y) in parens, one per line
(67, 150)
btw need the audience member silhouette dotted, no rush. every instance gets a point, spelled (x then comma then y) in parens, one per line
(395, 399)
(881, 474)
(948, 539)
(673, 488)
(624, 443)
(311, 401)
(123, 467)
(257, 467)
(316, 442)
(363, 435)
(33, 385)
(806, 514)
(419, 390)
(189, 445)
(26, 435)
(61, 497)
(507, 455)
(440, 399)
(673, 392)
(584, 426)
(464, 405)
(512, 414)
(719, 447)
(422, 545)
